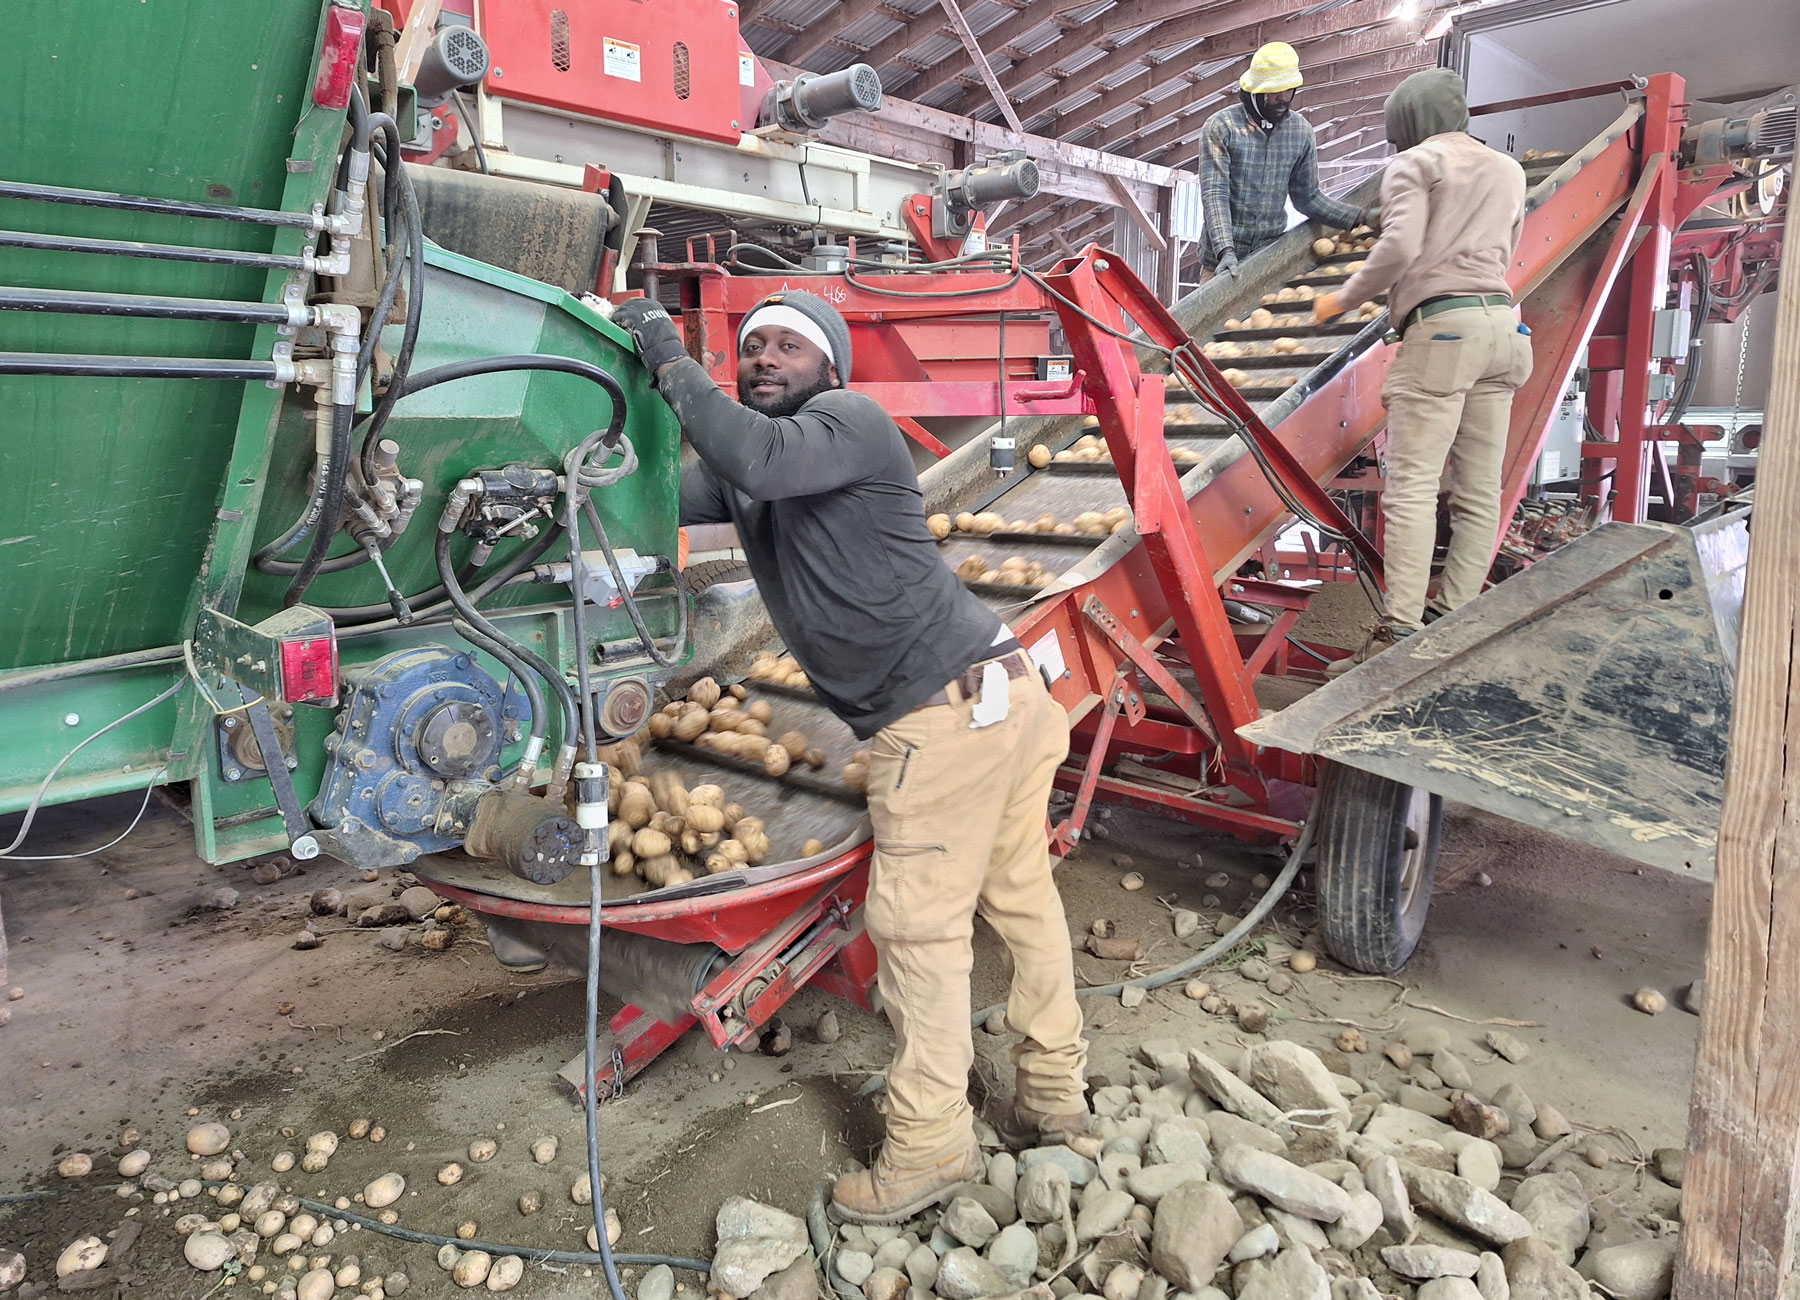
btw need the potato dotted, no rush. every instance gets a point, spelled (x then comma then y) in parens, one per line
(662, 726)
(671, 796)
(704, 692)
(717, 863)
(703, 818)
(706, 794)
(972, 569)
(482, 1150)
(756, 846)
(761, 670)
(752, 727)
(752, 747)
(1324, 247)
(812, 847)
(734, 813)
(1038, 456)
(737, 691)
(618, 837)
(939, 526)
(624, 864)
(649, 843)
(856, 775)
(690, 841)
(636, 805)
(761, 710)
(724, 717)
(776, 761)
(965, 522)
(1234, 324)
(710, 739)
(814, 757)
(657, 870)
(690, 725)
(989, 521)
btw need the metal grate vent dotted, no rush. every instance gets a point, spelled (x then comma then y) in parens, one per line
(559, 39)
(465, 54)
(683, 71)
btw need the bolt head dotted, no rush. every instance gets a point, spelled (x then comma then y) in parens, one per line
(71, 719)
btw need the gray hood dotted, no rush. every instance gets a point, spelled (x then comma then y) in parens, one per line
(1424, 105)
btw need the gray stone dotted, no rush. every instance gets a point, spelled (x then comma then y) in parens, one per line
(892, 1254)
(380, 915)
(1515, 1101)
(1003, 1207)
(922, 1267)
(1227, 1130)
(394, 938)
(1003, 1173)
(1671, 1164)
(798, 1281)
(1426, 1079)
(1508, 1045)
(755, 1240)
(1232, 1092)
(1196, 1226)
(222, 899)
(964, 1275)
(1533, 1272)
(1490, 1278)
(1353, 1288)
(1179, 1141)
(1426, 1103)
(1116, 1168)
(1692, 997)
(1360, 1221)
(1043, 1193)
(1550, 1124)
(1294, 1079)
(658, 1284)
(1254, 1244)
(853, 1266)
(1014, 1251)
(1293, 1230)
(1283, 1184)
(1111, 1101)
(1556, 1207)
(1102, 1212)
(1123, 1282)
(1381, 1175)
(1461, 1203)
(886, 1284)
(1396, 1126)
(1479, 1162)
(1422, 1263)
(1640, 1270)
(1427, 1040)
(941, 1243)
(1295, 1275)
(1152, 1184)
(1080, 1169)
(1451, 1069)
(419, 902)
(1449, 1288)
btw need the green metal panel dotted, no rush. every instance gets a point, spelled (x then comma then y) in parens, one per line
(131, 503)
(110, 488)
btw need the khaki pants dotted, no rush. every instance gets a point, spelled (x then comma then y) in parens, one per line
(1448, 394)
(959, 829)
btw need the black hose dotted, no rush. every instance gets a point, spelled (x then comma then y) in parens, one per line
(459, 599)
(331, 504)
(409, 337)
(433, 600)
(626, 599)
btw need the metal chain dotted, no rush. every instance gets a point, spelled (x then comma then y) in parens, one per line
(1737, 396)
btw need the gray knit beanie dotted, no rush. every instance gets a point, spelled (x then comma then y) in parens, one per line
(821, 315)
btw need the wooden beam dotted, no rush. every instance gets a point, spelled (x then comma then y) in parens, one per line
(1738, 1200)
(995, 39)
(960, 25)
(1143, 220)
(1388, 34)
(823, 30)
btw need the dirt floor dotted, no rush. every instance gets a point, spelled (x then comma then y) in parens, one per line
(141, 1007)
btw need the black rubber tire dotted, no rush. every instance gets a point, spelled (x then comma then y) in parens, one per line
(710, 573)
(1373, 889)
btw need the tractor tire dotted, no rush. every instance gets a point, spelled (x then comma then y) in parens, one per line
(1377, 843)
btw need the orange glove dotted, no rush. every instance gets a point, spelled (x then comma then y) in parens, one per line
(1325, 306)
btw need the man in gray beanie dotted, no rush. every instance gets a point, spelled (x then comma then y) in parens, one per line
(965, 739)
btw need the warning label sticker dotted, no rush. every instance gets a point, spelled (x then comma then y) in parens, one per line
(746, 68)
(622, 59)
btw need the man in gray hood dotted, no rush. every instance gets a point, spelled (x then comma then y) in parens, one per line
(1452, 210)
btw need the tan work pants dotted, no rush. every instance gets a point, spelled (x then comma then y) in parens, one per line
(1449, 394)
(959, 829)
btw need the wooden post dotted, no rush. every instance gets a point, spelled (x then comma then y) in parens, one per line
(1739, 1198)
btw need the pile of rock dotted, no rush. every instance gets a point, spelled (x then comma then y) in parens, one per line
(1287, 1179)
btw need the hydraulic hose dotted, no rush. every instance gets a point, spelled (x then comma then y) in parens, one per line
(332, 477)
(625, 597)
(433, 600)
(459, 600)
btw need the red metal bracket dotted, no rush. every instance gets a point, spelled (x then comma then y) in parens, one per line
(1150, 666)
(1065, 838)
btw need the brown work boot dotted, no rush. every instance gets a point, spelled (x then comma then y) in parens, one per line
(1021, 1127)
(890, 1193)
(1385, 634)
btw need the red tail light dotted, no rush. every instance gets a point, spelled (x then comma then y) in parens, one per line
(339, 58)
(309, 669)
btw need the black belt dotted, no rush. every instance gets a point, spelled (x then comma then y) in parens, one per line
(1014, 659)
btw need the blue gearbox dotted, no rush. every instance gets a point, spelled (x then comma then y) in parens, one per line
(419, 734)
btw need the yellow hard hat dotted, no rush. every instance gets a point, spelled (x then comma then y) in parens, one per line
(1273, 69)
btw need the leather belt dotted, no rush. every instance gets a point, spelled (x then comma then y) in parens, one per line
(1454, 302)
(968, 683)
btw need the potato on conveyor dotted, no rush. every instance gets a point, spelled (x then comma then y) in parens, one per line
(1038, 456)
(939, 526)
(1324, 247)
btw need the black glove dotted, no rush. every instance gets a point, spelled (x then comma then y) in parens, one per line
(658, 341)
(1228, 262)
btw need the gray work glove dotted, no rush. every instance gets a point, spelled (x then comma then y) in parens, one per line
(1228, 262)
(658, 341)
(1371, 217)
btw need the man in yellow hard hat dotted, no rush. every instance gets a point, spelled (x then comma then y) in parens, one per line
(1254, 157)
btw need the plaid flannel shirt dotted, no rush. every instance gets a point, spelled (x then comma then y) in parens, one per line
(1247, 175)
